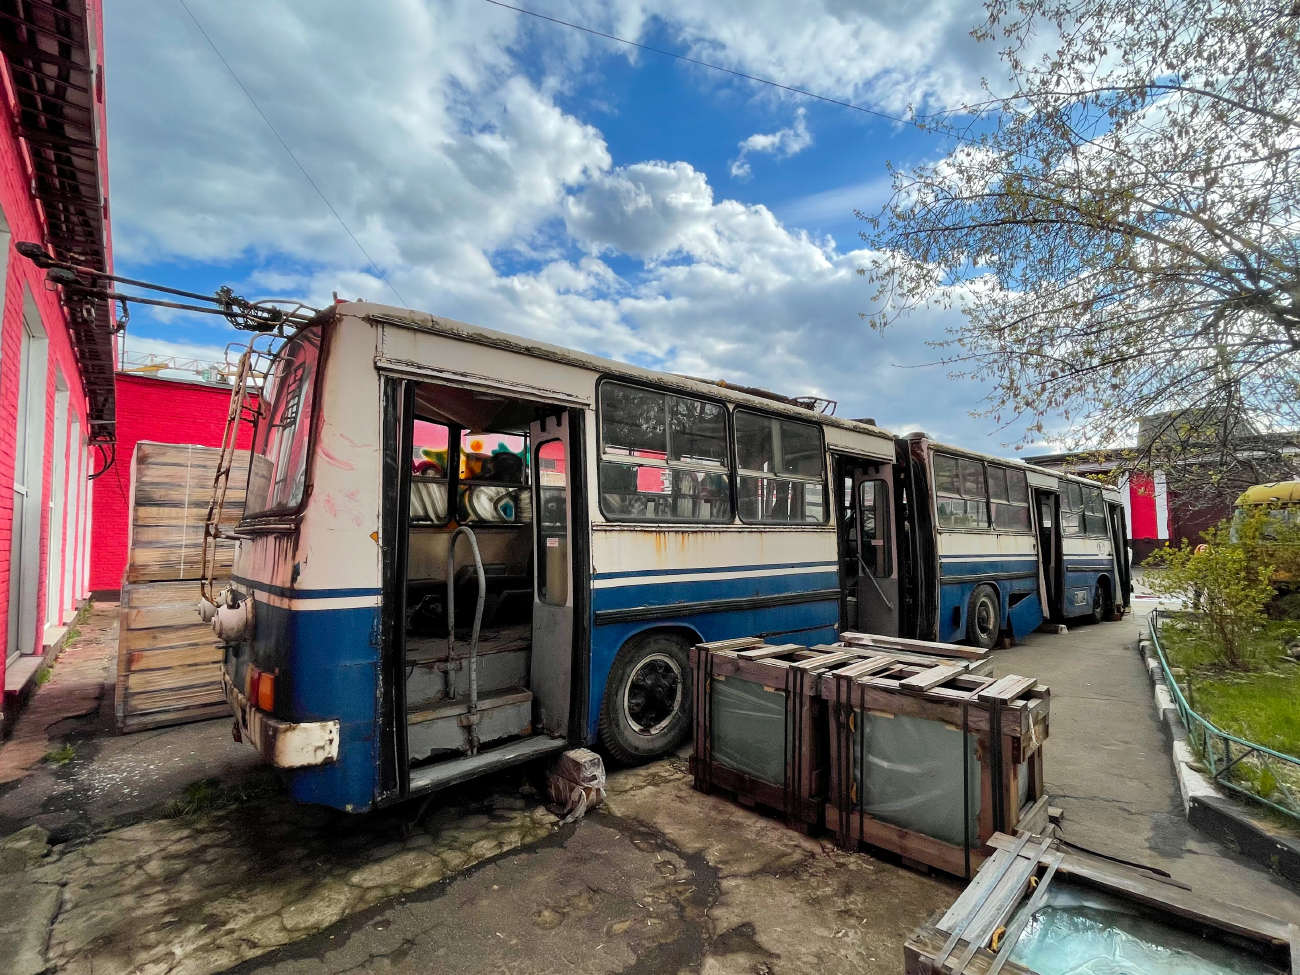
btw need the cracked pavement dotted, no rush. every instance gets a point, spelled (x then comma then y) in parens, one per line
(659, 879)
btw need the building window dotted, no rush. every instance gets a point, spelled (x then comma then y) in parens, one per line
(663, 457)
(961, 498)
(781, 474)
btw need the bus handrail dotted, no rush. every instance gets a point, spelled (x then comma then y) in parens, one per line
(472, 717)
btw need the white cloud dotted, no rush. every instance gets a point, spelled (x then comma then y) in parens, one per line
(482, 199)
(782, 144)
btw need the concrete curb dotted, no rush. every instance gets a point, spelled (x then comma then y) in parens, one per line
(1208, 809)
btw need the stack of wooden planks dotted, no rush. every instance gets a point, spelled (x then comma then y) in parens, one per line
(1033, 905)
(761, 726)
(169, 661)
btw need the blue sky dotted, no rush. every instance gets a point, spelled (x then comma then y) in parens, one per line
(525, 177)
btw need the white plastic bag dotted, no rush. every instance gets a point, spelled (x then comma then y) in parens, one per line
(576, 783)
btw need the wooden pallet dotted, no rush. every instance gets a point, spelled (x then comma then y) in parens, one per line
(976, 936)
(168, 660)
(1007, 718)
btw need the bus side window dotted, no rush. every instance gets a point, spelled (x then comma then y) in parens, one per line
(1009, 497)
(873, 510)
(1094, 514)
(961, 498)
(429, 473)
(781, 475)
(493, 479)
(1072, 509)
(552, 525)
(663, 457)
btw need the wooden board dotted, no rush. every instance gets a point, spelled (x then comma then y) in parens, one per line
(875, 640)
(168, 659)
(171, 491)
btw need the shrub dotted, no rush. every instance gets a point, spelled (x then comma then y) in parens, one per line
(1228, 579)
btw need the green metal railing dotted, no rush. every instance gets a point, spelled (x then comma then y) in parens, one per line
(1227, 755)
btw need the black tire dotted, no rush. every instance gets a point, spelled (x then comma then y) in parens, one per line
(646, 712)
(1102, 610)
(984, 618)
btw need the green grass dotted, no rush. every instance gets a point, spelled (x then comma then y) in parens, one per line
(210, 795)
(1261, 706)
(61, 756)
(42, 676)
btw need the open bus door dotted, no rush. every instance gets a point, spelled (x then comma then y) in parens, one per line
(556, 637)
(1047, 515)
(482, 680)
(868, 550)
(1120, 548)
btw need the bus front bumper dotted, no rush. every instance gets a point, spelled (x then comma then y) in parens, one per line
(285, 744)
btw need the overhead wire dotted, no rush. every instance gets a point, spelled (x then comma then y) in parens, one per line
(302, 169)
(717, 67)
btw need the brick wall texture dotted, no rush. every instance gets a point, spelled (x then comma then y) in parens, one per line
(163, 411)
(24, 286)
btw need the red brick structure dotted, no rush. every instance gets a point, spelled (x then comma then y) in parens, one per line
(164, 411)
(56, 354)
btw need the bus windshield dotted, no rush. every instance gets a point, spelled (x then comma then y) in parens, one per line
(277, 476)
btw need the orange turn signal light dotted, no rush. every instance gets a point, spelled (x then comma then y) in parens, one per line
(261, 689)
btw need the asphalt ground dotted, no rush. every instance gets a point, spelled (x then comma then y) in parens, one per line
(666, 880)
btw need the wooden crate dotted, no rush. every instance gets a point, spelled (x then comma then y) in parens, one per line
(1004, 719)
(171, 490)
(787, 672)
(797, 781)
(168, 660)
(1024, 871)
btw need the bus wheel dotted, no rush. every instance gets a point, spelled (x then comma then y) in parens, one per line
(647, 708)
(1101, 608)
(983, 618)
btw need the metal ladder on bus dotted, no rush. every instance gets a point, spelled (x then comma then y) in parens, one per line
(212, 532)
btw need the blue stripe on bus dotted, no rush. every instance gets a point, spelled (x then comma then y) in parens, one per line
(288, 592)
(950, 569)
(702, 590)
(640, 573)
(808, 623)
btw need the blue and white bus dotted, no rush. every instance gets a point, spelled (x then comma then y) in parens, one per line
(462, 550)
(1000, 546)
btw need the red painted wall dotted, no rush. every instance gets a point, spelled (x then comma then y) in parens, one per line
(21, 277)
(164, 411)
(1142, 501)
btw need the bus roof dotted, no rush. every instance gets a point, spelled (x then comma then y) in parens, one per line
(1275, 492)
(465, 332)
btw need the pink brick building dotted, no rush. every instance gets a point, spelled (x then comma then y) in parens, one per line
(56, 352)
